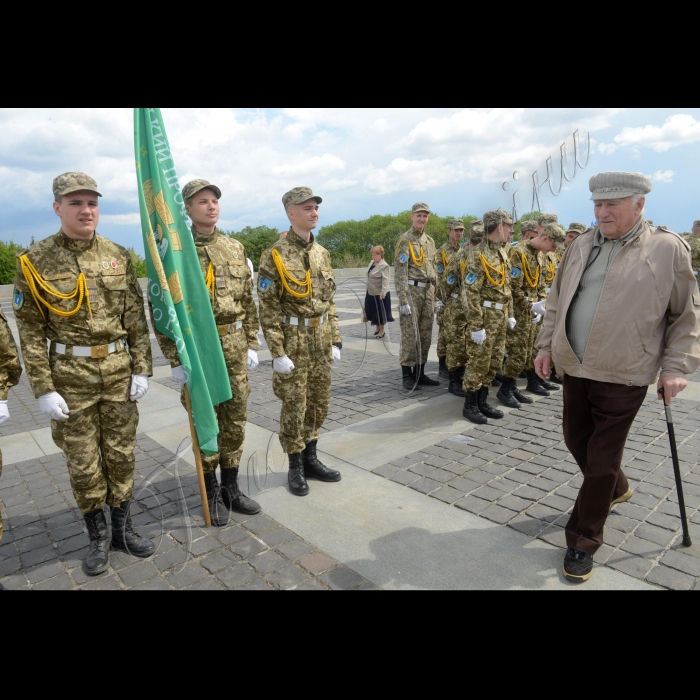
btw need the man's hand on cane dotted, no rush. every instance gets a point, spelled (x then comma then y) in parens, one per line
(672, 386)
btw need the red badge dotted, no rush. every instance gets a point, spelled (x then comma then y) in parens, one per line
(114, 265)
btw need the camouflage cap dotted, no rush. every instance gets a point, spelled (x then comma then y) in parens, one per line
(455, 224)
(299, 195)
(421, 206)
(547, 219)
(528, 226)
(476, 235)
(617, 185)
(696, 224)
(555, 233)
(476, 223)
(577, 228)
(494, 218)
(191, 189)
(74, 182)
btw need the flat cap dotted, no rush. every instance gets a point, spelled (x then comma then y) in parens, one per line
(299, 195)
(420, 206)
(528, 226)
(548, 219)
(696, 224)
(456, 224)
(494, 218)
(191, 189)
(555, 232)
(74, 182)
(618, 185)
(577, 228)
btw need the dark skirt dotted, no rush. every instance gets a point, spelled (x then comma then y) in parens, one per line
(378, 311)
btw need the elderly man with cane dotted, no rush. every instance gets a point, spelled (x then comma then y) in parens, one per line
(624, 306)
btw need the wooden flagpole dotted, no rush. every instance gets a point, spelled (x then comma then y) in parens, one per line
(198, 461)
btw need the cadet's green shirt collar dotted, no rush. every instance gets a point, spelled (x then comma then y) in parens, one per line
(296, 239)
(203, 238)
(73, 243)
(492, 244)
(416, 232)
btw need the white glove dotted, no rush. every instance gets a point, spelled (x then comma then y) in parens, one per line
(253, 362)
(4, 412)
(438, 305)
(54, 406)
(512, 323)
(479, 337)
(539, 308)
(336, 354)
(536, 320)
(283, 365)
(179, 374)
(139, 387)
(405, 310)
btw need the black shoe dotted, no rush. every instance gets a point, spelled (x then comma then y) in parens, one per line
(548, 385)
(456, 385)
(217, 509)
(523, 375)
(555, 378)
(409, 378)
(578, 566)
(444, 372)
(533, 384)
(124, 537)
(314, 469)
(519, 396)
(487, 410)
(471, 409)
(232, 496)
(424, 380)
(97, 560)
(505, 395)
(297, 480)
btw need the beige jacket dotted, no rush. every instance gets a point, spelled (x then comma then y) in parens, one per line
(379, 279)
(648, 317)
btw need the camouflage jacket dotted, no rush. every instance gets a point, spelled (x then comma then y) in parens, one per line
(298, 257)
(450, 265)
(694, 242)
(233, 288)
(528, 267)
(552, 262)
(405, 268)
(10, 368)
(115, 296)
(479, 288)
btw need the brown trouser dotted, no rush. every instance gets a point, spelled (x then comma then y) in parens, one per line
(597, 420)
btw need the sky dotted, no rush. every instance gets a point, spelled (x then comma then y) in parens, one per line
(362, 161)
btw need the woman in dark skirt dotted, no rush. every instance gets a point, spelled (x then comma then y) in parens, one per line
(378, 299)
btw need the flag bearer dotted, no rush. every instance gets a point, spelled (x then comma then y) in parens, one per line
(78, 291)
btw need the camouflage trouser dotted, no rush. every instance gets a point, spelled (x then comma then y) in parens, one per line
(1, 530)
(306, 392)
(519, 345)
(99, 437)
(417, 329)
(455, 332)
(441, 343)
(233, 414)
(486, 360)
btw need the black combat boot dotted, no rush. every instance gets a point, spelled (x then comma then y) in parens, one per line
(487, 410)
(423, 379)
(462, 370)
(498, 379)
(444, 372)
(456, 385)
(234, 499)
(409, 378)
(471, 409)
(217, 509)
(123, 536)
(519, 396)
(97, 560)
(505, 395)
(297, 480)
(547, 385)
(315, 469)
(533, 384)
(556, 377)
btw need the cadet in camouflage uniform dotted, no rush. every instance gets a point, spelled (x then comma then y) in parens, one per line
(449, 263)
(10, 372)
(489, 314)
(528, 231)
(573, 232)
(694, 241)
(296, 289)
(229, 281)
(415, 278)
(78, 291)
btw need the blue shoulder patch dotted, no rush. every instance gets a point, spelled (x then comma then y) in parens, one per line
(264, 284)
(471, 278)
(441, 268)
(403, 259)
(515, 272)
(17, 300)
(451, 279)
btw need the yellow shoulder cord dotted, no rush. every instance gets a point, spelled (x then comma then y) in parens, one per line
(210, 279)
(532, 280)
(284, 276)
(550, 277)
(34, 279)
(463, 265)
(502, 272)
(445, 262)
(418, 262)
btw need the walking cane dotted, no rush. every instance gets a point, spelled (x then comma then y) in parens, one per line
(687, 542)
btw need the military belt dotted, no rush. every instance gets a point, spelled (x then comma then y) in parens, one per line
(96, 353)
(413, 283)
(227, 330)
(491, 305)
(308, 322)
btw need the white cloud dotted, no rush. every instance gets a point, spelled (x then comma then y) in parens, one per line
(663, 176)
(607, 149)
(677, 130)
(415, 175)
(121, 219)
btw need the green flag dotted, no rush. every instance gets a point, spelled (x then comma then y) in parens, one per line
(176, 288)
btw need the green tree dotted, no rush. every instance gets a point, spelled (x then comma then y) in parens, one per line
(255, 240)
(8, 261)
(139, 264)
(532, 216)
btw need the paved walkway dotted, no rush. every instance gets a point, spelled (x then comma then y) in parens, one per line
(427, 501)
